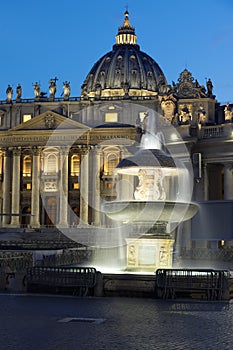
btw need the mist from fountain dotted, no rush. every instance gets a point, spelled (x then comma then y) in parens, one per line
(161, 197)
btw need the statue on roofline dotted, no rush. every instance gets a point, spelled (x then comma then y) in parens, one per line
(36, 87)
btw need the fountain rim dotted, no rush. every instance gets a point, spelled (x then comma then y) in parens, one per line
(150, 211)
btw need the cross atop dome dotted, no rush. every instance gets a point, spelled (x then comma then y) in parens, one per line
(126, 33)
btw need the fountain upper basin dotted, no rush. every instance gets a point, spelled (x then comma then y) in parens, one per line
(150, 211)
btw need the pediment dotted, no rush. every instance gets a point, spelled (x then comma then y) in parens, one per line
(49, 121)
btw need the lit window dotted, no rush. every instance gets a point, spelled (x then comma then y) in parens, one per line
(27, 166)
(111, 117)
(112, 163)
(76, 186)
(75, 165)
(28, 186)
(26, 117)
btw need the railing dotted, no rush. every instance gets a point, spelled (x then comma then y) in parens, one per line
(75, 99)
(211, 284)
(78, 280)
(40, 99)
(219, 254)
(211, 131)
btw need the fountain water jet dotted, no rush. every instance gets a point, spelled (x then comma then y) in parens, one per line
(160, 201)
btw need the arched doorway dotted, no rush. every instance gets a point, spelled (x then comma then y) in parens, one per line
(26, 218)
(50, 211)
(74, 220)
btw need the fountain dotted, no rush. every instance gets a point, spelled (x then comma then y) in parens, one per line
(159, 203)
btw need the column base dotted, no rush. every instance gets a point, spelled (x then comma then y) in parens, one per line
(62, 225)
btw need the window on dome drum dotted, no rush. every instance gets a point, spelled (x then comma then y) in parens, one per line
(75, 165)
(111, 117)
(26, 117)
(27, 166)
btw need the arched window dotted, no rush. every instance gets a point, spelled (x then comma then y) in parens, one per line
(50, 161)
(51, 164)
(112, 161)
(75, 165)
(27, 166)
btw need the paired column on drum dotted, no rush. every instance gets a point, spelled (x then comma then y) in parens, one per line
(84, 186)
(63, 222)
(6, 187)
(35, 199)
(15, 220)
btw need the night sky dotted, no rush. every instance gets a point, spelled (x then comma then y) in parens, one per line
(44, 39)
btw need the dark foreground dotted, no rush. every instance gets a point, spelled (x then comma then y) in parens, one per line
(42, 322)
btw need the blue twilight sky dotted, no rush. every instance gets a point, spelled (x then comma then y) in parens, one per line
(64, 38)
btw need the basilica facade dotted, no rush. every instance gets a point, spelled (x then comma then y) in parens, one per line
(58, 154)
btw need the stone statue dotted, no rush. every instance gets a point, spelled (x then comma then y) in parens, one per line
(66, 88)
(18, 92)
(202, 117)
(209, 86)
(52, 87)
(228, 113)
(168, 108)
(36, 89)
(184, 116)
(9, 92)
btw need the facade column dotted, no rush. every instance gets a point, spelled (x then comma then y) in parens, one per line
(6, 187)
(96, 186)
(84, 186)
(228, 181)
(63, 215)
(206, 182)
(125, 189)
(15, 221)
(35, 199)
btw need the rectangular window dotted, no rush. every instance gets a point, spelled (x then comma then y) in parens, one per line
(76, 186)
(26, 117)
(111, 117)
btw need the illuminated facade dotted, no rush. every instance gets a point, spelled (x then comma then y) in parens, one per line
(58, 154)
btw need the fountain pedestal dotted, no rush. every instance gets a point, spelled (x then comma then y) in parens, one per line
(149, 254)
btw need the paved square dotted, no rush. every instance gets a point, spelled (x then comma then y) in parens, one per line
(33, 322)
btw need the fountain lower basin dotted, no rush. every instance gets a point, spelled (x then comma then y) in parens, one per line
(150, 211)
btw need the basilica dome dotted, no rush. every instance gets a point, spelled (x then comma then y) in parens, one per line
(124, 71)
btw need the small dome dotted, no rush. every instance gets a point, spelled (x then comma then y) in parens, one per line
(124, 71)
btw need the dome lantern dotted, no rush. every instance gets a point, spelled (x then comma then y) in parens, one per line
(126, 33)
